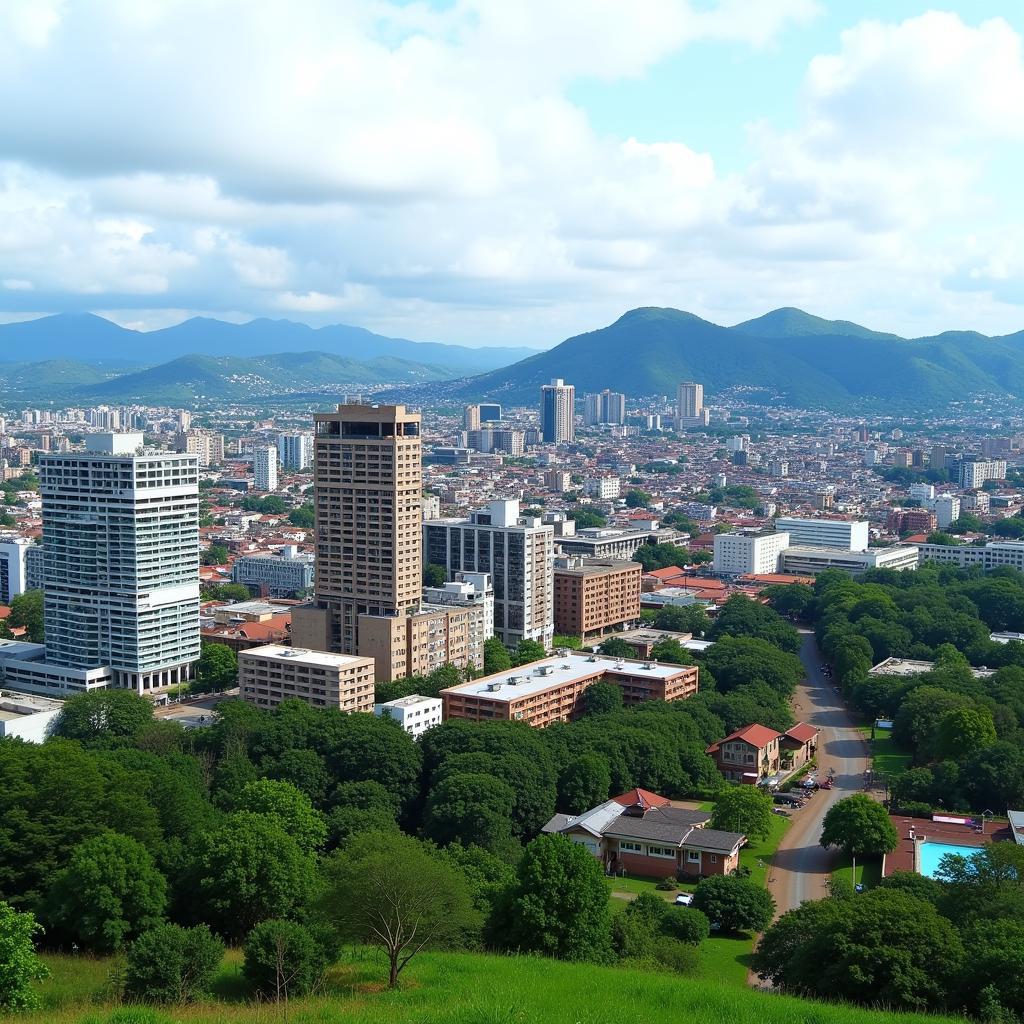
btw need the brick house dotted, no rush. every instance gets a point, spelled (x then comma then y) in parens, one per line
(643, 834)
(755, 751)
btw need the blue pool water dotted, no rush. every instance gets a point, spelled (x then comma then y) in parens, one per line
(932, 853)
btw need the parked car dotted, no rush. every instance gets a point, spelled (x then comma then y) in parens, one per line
(809, 784)
(788, 799)
(781, 811)
(684, 899)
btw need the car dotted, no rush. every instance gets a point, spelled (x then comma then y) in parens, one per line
(809, 784)
(684, 899)
(788, 799)
(781, 811)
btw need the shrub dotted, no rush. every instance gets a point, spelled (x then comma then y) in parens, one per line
(283, 958)
(171, 964)
(687, 925)
(914, 809)
(676, 956)
(667, 884)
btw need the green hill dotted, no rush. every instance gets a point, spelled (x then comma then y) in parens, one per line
(472, 989)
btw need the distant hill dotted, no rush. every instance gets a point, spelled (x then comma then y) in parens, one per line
(786, 355)
(89, 338)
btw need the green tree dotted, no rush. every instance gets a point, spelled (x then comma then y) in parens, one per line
(683, 619)
(615, 647)
(737, 904)
(860, 827)
(496, 656)
(19, 965)
(558, 905)
(109, 892)
(284, 959)
(601, 698)
(635, 498)
(746, 809)
(994, 960)
(171, 964)
(290, 806)
(670, 651)
(584, 783)
(303, 516)
(217, 668)
(963, 731)
(433, 575)
(215, 554)
(687, 925)
(228, 592)
(529, 650)
(104, 715)
(790, 599)
(472, 809)
(27, 612)
(392, 891)
(586, 517)
(248, 870)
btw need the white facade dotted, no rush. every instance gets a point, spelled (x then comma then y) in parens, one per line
(809, 561)
(26, 717)
(295, 452)
(690, 409)
(603, 487)
(922, 492)
(974, 474)
(264, 468)
(742, 553)
(13, 574)
(415, 714)
(946, 508)
(992, 555)
(849, 535)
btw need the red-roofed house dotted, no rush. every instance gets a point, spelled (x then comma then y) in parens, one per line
(642, 798)
(747, 754)
(801, 742)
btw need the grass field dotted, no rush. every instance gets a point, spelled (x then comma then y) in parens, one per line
(886, 757)
(470, 989)
(869, 873)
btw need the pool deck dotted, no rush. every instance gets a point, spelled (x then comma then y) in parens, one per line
(902, 858)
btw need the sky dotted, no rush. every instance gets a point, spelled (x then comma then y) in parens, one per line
(486, 172)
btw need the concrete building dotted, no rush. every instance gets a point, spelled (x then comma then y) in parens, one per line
(367, 491)
(415, 714)
(295, 451)
(604, 407)
(603, 487)
(911, 520)
(517, 552)
(264, 468)
(495, 439)
(27, 717)
(809, 561)
(992, 555)
(558, 480)
(611, 542)
(922, 492)
(287, 574)
(737, 554)
(35, 567)
(550, 690)
(471, 417)
(937, 457)
(557, 411)
(690, 411)
(973, 473)
(206, 446)
(946, 508)
(756, 752)
(849, 535)
(468, 590)
(490, 412)
(270, 674)
(431, 506)
(13, 574)
(591, 597)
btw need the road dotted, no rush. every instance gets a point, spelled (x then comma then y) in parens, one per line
(800, 867)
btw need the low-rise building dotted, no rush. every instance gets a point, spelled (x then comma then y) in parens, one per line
(287, 574)
(270, 674)
(808, 561)
(415, 713)
(27, 717)
(917, 667)
(992, 555)
(737, 554)
(748, 754)
(550, 690)
(594, 595)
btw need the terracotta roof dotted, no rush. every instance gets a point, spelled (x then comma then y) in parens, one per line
(757, 735)
(802, 732)
(777, 577)
(666, 574)
(643, 797)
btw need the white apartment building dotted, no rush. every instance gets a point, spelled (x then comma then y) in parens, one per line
(295, 452)
(975, 472)
(13, 572)
(946, 508)
(270, 674)
(809, 561)
(922, 492)
(849, 535)
(991, 556)
(737, 554)
(603, 487)
(264, 468)
(415, 713)
(517, 552)
(690, 411)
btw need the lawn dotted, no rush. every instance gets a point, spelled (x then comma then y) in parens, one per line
(887, 758)
(462, 988)
(869, 872)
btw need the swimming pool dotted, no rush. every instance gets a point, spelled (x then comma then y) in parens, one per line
(930, 853)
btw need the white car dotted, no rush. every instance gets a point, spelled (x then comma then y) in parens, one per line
(684, 899)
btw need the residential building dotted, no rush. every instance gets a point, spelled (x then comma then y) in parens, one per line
(748, 754)
(431, 506)
(550, 690)
(517, 552)
(737, 554)
(992, 555)
(367, 491)
(643, 834)
(35, 567)
(808, 561)
(558, 480)
(287, 574)
(922, 492)
(822, 532)
(471, 417)
(494, 439)
(976, 501)
(937, 457)
(591, 597)
(690, 411)
(205, 445)
(557, 410)
(295, 452)
(264, 468)
(27, 717)
(13, 556)
(468, 590)
(415, 714)
(911, 520)
(603, 487)
(604, 407)
(946, 508)
(973, 473)
(270, 674)
(612, 542)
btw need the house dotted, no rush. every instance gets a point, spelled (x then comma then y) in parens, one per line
(642, 833)
(755, 751)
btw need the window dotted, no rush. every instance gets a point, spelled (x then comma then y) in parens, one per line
(693, 857)
(714, 858)
(661, 851)
(625, 847)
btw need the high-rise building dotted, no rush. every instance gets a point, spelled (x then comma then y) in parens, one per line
(604, 407)
(937, 457)
(973, 473)
(295, 451)
(13, 556)
(557, 407)
(518, 553)
(264, 468)
(121, 570)
(690, 411)
(471, 417)
(205, 445)
(490, 412)
(368, 483)
(850, 535)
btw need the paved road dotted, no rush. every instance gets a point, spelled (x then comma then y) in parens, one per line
(800, 867)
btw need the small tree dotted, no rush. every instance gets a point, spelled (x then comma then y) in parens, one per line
(171, 964)
(392, 891)
(746, 809)
(217, 668)
(496, 656)
(601, 699)
(735, 903)
(615, 647)
(19, 965)
(433, 575)
(860, 827)
(529, 650)
(284, 959)
(687, 925)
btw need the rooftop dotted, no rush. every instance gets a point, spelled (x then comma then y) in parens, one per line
(20, 705)
(408, 702)
(913, 667)
(301, 656)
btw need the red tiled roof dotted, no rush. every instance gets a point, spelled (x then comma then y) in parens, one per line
(758, 735)
(643, 797)
(802, 732)
(666, 574)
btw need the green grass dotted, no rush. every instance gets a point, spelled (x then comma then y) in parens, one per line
(869, 873)
(757, 854)
(477, 989)
(886, 757)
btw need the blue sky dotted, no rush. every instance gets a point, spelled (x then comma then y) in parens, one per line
(490, 173)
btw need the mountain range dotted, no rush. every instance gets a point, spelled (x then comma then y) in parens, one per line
(786, 355)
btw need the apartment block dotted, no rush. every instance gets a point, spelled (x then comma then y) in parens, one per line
(270, 674)
(282, 575)
(295, 451)
(13, 572)
(206, 446)
(550, 690)
(557, 410)
(690, 411)
(911, 520)
(264, 468)
(422, 640)
(603, 487)
(604, 407)
(415, 713)
(558, 480)
(823, 532)
(973, 473)
(737, 554)
(591, 597)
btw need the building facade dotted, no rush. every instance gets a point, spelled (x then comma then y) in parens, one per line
(799, 560)
(591, 597)
(557, 411)
(973, 473)
(415, 714)
(264, 468)
(13, 569)
(604, 407)
(847, 534)
(738, 554)
(295, 451)
(270, 674)
(284, 575)
(690, 411)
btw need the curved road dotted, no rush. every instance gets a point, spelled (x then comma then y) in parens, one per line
(800, 868)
